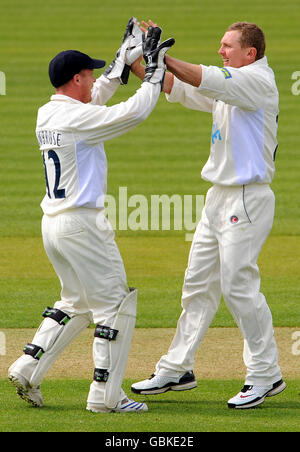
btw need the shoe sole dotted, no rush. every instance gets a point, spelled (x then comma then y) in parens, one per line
(259, 401)
(183, 387)
(277, 390)
(94, 410)
(107, 411)
(21, 391)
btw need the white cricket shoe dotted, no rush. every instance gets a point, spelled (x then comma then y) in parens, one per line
(125, 405)
(251, 396)
(25, 391)
(157, 384)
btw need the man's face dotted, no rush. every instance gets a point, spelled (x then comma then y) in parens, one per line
(232, 53)
(87, 80)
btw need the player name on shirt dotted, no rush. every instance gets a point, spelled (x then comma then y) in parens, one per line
(50, 137)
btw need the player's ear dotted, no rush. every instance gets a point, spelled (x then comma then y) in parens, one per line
(76, 79)
(252, 53)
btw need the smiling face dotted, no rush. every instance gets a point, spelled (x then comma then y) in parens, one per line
(232, 53)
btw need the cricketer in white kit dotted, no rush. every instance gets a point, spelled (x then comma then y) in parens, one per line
(79, 241)
(237, 218)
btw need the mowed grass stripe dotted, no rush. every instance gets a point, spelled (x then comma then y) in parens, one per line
(144, 256)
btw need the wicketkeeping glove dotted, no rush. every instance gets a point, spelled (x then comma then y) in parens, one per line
(130, 50)
(134, 50)
(154, 55)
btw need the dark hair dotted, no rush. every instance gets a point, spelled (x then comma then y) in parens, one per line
(251, 36)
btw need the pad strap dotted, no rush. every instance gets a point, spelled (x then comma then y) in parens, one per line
(104, 332)
(101, 375)
(56, 314)
(34, 350)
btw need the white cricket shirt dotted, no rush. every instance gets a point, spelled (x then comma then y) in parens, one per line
(244, 105)
(71, 137)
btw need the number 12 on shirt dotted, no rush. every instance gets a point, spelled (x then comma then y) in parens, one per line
(55, 192)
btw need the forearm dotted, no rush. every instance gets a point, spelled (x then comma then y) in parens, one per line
(139, 70)
(186, 72)
(104, 89)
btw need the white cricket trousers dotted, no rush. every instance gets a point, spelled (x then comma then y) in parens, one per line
(223, 261)
(81, 247)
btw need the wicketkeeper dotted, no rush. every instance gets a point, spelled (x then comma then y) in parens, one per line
(78, 239)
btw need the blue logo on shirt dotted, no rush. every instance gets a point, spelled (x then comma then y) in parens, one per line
(215, 135)
(226, 73)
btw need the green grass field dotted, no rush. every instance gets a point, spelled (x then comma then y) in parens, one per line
(164, 155)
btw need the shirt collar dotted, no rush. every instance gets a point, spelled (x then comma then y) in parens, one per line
(64, 98)
(261, 62)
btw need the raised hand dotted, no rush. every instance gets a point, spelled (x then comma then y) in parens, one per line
(154, 55)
